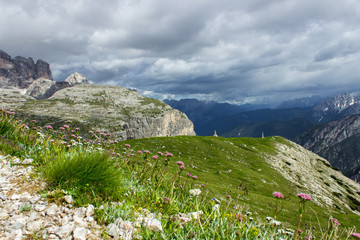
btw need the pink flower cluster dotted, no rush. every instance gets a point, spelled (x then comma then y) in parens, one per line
(167, 154)
(304, 196)
(181, 165)
(278, 195)
(334, 220)
(356, 235)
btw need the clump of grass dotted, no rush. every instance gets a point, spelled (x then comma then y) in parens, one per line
(89, 172)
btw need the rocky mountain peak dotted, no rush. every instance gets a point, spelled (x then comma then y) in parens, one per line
(337, 107)
(21, 72)
(76, 78)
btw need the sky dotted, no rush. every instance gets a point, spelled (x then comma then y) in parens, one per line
(238, 51)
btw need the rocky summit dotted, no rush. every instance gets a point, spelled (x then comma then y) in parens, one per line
(122, 112)
(339, 142)
(29, 89)
(20, 72)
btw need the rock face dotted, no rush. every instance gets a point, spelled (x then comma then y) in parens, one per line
(337, 107)
(117, 110)
(44, 88)
(123, 113)
(337, 141)
(21, 72)
(307, 170)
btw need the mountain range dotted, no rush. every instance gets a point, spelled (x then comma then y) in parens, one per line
(317, 126)
(29, 89)
(328, 128)
(249, 169)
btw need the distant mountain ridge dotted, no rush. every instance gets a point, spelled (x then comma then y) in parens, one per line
(337, 107)
(338, 141)
(228, 119)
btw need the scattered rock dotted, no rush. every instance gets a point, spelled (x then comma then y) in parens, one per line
(34, 226)
(90, 210)
(23, 214)
(80, 233)
(68, 199)
(153, 225)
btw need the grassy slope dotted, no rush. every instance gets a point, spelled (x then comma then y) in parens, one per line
(210, 158)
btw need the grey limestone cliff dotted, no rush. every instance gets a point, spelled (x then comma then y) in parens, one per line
(339, 142)
(122, 112)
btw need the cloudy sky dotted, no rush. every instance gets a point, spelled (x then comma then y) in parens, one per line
(228, 50)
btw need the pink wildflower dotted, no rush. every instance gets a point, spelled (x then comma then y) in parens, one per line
(334, 220)
(77, 129)
(304, 196)
(66, 126)
(146, 151)
(68, 121)
(102, 134)
(194, 177)
(168, 154)
(202, 185)
(228, 196)
(278, 195)
(155, 157)
(111, 142)
(356, 235)
(182, 167)
(25, 126)
(140, 152)
(127, 145)
(160, 153)
(61, 128)
(189, 174)
(115, 141)
(49, 127)
(91, 132)
(180, 163)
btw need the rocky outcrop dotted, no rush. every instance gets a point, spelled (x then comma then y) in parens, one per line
(44, 88)
(76, 78)
(337, 141)
(122, 112)
(328, 186)
(21, 72)
(336, 107)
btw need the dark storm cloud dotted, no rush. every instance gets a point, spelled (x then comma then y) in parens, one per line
(224, 50)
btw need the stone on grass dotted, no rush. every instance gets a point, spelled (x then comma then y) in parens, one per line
(34, 226)
(52, 210)
(153, 225)
(64, 231)
(68, 199)
(80, 233)
(90, 210)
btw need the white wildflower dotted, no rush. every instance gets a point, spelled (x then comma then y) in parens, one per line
(216, 207)
(195, 192)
